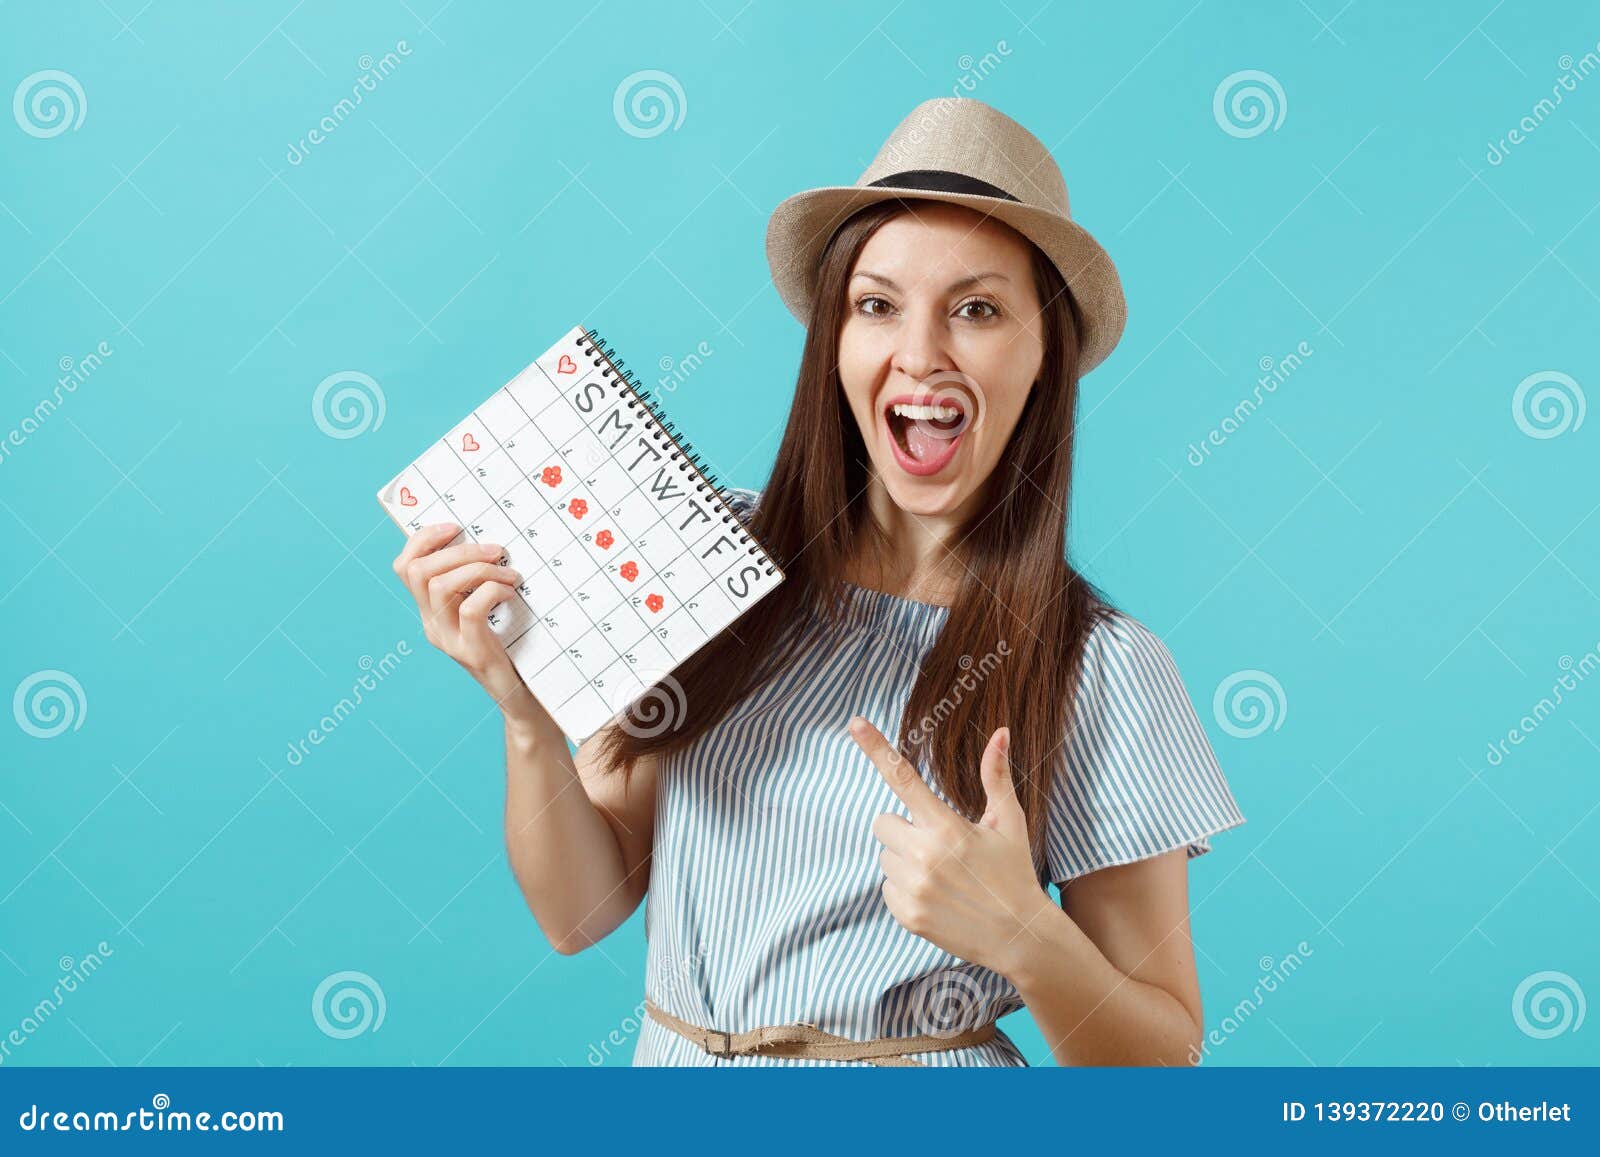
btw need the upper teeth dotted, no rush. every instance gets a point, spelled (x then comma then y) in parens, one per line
(925, 413)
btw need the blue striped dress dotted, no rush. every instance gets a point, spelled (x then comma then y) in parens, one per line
(764, 904)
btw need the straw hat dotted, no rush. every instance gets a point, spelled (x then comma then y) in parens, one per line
(960, 150)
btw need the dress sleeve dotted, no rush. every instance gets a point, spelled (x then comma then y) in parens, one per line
(1137, 776)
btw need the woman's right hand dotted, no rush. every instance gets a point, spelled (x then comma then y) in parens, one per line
(456, 587)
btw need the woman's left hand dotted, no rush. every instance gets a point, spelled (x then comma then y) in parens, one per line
(968, 887)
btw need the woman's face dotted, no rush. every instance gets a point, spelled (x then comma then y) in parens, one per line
(942, 340)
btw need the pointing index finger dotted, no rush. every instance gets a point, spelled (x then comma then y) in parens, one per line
(900, 774)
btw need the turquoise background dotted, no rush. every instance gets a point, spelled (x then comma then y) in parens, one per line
(182, 537)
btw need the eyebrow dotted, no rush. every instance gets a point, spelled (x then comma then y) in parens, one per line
(954, 286)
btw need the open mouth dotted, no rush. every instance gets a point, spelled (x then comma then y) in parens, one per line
(925, 432)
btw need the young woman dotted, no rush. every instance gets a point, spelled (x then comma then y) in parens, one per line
(819, 892)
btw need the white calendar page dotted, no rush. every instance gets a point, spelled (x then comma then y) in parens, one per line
(630, 560)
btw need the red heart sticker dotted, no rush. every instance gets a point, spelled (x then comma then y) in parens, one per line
(655, 602)
(406, 497)
(468, 442)
(629, 570)
(566, 365)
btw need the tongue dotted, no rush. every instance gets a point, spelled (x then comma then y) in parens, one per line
(922, 442)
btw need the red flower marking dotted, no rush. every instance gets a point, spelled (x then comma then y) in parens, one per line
(550, 476)
(604, 540)
(655, 602)
(629, 570)
(577, 508)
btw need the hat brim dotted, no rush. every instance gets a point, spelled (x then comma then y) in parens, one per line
(801, 226)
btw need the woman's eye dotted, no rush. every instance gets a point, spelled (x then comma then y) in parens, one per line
(977, 310)
(874, 307)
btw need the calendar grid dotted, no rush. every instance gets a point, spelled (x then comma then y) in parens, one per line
(621, 393)
(558, 450)
(494, 504)
(579, 687)
(620, 653)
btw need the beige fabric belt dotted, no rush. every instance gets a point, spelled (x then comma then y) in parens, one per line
(803, 1039)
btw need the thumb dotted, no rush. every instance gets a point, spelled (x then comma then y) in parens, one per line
(1004, 811)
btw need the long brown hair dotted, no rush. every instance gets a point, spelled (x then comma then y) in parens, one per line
(1017, 595)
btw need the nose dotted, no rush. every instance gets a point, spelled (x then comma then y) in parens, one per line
(920, 348)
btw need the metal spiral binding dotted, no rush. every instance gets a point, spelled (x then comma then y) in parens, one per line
(658, 426)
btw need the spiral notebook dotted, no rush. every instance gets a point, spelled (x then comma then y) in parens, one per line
(631, 559)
